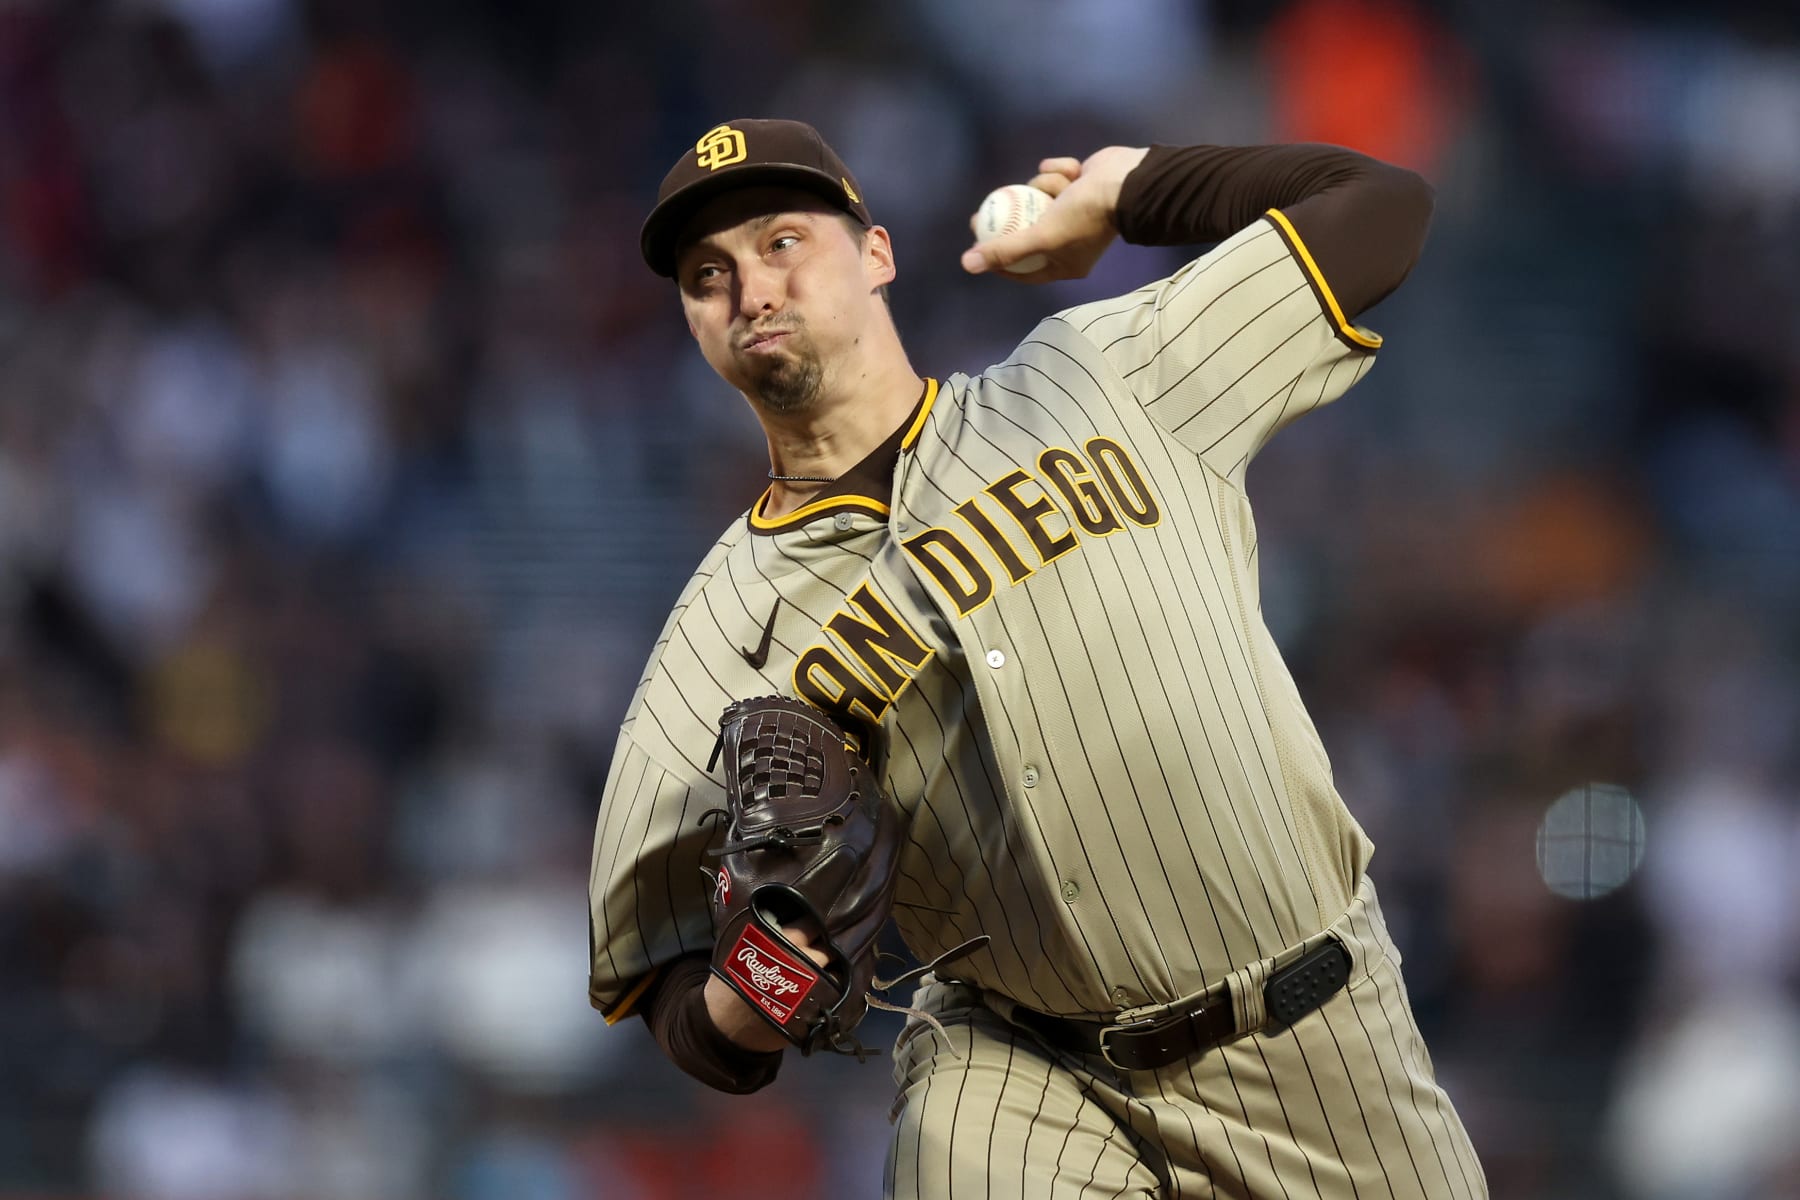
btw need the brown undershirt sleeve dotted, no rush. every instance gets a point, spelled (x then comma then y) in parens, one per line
(675, 1009)
(1362, 220)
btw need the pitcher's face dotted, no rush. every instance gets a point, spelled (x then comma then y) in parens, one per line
(778, 286)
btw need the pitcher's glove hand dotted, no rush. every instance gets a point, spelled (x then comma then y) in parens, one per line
(807, 841)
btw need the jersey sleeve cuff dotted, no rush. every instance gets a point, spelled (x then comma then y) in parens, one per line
(1354, 336)
(625, 1005)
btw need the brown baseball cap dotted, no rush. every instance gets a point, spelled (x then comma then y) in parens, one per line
(744, 154)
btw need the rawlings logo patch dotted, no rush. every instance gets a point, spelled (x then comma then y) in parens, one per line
(768, 975)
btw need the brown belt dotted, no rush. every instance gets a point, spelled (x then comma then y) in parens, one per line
(1290, 994)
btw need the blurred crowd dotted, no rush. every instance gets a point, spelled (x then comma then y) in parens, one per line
(350, 460)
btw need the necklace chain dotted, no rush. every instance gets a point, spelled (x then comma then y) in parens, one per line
(801, 478)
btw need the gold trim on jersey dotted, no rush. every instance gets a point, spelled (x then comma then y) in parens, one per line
(912, 434)
(1356, 335)
(628, 1001)
(807, 512)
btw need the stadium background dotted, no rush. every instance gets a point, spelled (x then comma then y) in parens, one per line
(349, 461)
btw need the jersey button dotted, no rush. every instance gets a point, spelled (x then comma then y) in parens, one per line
(842, 520)
(1122, 996)
(1070, 890)
(996, 659)
(901, 526)
(1030, 776)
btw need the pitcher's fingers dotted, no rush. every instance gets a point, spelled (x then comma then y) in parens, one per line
(996, 254)
(1050, 183)
(806, 940)
(1067, 167)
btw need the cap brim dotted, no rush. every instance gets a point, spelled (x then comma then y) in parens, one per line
(662, 229)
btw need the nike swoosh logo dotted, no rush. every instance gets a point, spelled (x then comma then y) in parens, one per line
(756, 658)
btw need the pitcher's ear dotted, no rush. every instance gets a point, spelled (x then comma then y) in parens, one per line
(878, 256)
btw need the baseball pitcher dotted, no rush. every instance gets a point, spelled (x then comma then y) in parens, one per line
(988, 656)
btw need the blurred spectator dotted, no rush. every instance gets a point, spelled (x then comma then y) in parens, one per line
(498, 992)
(166, 1135)
(1409, 77)
(1708, 1104)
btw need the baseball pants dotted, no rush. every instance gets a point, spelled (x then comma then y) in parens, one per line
(1343, 1103)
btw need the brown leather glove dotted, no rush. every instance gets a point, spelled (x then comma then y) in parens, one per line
(806, 840)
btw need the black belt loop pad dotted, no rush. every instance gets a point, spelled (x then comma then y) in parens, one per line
(1305, 984)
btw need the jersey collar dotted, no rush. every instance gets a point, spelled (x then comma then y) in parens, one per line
(864, 488)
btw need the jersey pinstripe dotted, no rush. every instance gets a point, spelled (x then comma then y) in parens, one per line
(1053, 619)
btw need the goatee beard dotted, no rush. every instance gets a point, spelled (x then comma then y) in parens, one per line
(791, 385)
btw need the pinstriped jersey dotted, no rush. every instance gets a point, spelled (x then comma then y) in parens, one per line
(1051, 621)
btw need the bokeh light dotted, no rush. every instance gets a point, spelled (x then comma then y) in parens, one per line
(1591, 841)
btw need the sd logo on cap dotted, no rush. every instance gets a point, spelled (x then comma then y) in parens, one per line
(744, 154)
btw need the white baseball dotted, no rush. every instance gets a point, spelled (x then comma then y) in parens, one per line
(1007, 210)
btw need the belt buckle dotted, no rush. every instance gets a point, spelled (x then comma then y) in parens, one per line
(1141, 1025)
(1106, 1032)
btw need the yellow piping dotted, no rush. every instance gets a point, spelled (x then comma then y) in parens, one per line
(912, 434)
(622, 1009)
(807, 511)
(1361, 337)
